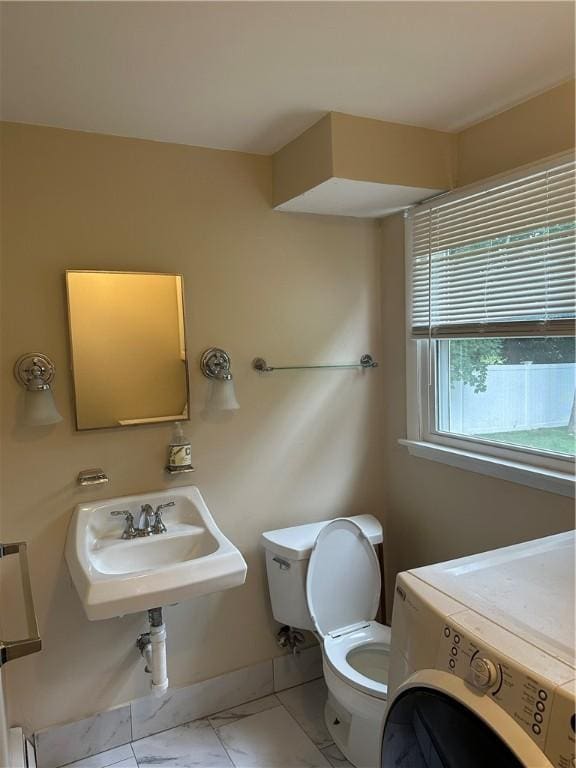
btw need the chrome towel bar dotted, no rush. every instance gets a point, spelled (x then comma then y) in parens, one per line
(259, 364)
(14, 649)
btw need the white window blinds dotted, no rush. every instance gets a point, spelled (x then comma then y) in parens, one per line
(499, 261)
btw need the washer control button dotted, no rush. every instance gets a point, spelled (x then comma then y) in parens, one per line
(454, 651)
(542, 694)
(538, 717)
(484, 672)
(452, 663)
(540, 706)
(456, 639)
(446, 631)
(536, 728)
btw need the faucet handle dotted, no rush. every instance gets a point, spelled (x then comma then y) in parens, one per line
(159, 526)
(129, 531)
(167, 504)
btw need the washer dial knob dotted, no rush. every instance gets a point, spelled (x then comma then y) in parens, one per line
(484, 673)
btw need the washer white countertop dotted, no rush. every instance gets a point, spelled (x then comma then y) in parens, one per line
(524, 588)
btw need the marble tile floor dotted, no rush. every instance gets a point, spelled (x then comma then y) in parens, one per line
(285, 730)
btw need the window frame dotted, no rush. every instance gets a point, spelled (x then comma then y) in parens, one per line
(528, 466)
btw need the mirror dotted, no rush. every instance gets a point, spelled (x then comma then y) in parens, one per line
(128, 344)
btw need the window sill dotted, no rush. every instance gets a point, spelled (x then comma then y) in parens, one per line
(543, 479)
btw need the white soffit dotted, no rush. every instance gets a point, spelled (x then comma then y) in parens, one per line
(251, 76)
(362, 199)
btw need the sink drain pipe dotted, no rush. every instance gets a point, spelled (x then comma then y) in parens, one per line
(152, 646)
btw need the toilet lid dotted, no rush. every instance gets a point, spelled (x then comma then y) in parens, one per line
(343, 581)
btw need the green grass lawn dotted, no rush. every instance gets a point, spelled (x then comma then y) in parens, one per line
(556, 439)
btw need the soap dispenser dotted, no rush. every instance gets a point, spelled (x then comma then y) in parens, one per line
(179, 451)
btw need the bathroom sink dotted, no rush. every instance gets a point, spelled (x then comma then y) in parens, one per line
(116, 576)
(186, 542)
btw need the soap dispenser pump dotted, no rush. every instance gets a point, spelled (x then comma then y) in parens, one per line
(179, 451)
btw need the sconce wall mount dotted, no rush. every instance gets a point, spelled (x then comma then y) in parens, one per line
(35, 372)
(215, 364)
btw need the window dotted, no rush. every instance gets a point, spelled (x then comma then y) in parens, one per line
(517, 392)
(492, 282)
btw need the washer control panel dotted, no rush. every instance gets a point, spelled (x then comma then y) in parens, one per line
(525, 696)
(562, 730)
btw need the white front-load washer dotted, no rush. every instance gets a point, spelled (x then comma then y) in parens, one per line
(482, 668)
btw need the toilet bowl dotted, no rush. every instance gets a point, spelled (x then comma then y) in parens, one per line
(328, 579)
(361, 658)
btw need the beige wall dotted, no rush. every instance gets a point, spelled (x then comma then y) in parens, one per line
(533, 130)
(304, 446)
(435, 512)
(391, 153)
(359, 148)
(303, 163)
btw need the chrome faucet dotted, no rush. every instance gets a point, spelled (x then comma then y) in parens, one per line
(149, 521)
(145, 521)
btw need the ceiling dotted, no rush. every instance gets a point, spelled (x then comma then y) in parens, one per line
(251, 76)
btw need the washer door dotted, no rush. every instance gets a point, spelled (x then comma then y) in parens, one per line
(435, 721)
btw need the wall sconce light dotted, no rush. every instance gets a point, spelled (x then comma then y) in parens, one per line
(35, 372)
(215, 365)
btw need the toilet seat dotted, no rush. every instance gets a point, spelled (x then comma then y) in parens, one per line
(372, 637)
(343, 593)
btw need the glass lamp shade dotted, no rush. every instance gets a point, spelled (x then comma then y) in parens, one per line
(40, 408)
(222, 396)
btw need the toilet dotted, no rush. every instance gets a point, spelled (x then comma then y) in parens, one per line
(325, 577)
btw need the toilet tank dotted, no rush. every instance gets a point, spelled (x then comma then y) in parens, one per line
(287, 554)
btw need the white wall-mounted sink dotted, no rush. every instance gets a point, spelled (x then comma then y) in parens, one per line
(115, 576)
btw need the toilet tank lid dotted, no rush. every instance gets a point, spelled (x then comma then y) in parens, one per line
(297, 542)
